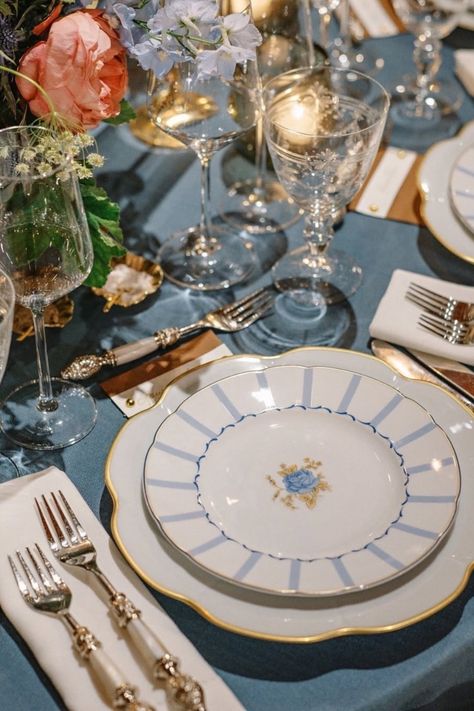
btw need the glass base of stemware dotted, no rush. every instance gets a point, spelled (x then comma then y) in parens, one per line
(28, 426)
(355, 57)
(418, 124)
(333, 275)
(8, 469)
(292, 325)
(261, 209)
(230, 262)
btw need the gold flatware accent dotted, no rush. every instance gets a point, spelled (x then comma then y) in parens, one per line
(407, 366)
(47, 592)
(228, 318)
(71, 545)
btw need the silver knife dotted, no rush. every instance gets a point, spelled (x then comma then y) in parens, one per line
(457, 374)
(406, 365)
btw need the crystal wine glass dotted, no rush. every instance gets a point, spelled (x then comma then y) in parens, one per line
(424, 103)
(206, 256)
(259, 204)
(46, 248)
(323, 128)
(345, 53)
(7, 308)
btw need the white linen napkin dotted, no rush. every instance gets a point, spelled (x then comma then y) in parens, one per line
(396, 318)
(464, 67)
(48, 637)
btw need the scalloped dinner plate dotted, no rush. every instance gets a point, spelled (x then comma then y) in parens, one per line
(398, 603)
(433, 178)
(302, 481)
(462, 187)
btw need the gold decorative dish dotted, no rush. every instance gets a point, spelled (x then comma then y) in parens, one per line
(56, 315)
(130, 281)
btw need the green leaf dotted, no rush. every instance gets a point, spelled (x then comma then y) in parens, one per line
(127, 113)
(107, 237)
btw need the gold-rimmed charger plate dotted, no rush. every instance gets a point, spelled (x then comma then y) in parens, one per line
(397, 604)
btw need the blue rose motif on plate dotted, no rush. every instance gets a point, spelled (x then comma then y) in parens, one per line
(299, 485)
(301, 481)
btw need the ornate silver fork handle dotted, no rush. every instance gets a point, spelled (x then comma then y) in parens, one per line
(76, 549)
(48, 592)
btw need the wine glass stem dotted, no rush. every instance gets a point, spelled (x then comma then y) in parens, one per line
(345, 27)
(202, 243)
(260, 157)
(308, 31)
(46, 401)
(324, 22)
(318, 232)
(427, 58)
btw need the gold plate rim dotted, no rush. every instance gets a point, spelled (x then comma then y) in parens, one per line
(424, 201)
(198, 607)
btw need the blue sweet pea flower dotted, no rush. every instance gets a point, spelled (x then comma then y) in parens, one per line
(301, 481)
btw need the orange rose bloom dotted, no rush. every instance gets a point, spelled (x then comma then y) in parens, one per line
(81, 66)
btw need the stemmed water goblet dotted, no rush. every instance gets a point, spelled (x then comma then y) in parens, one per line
(259, 204)
(323, 127)
(46, 249)
(207, 256)
(7, 308)
(424, 106)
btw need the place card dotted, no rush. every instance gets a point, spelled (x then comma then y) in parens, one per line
(139, 388)
(391, 190)
(377, 17)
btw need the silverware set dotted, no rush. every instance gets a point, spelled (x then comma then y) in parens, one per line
(44, 589)
(228, 318)
(449, 318)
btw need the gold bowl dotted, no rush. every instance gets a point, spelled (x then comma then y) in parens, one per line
(131, 279)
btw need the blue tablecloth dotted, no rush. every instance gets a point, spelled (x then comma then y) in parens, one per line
(428, 666)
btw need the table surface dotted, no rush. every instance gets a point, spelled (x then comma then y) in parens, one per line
(426, 666)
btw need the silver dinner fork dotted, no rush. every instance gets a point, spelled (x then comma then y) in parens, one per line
(228, 318)
(445, 307)
(47, 592)
(71, 545)
(458, 332)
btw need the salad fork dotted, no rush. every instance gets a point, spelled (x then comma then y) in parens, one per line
(228, 318)
(71, 545)
(458, 332)
(47, 592)
(445, 307)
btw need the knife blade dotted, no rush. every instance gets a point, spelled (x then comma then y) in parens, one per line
(458, 375)
(406, 365)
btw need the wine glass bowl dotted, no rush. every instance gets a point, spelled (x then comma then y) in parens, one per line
(206, 113)
(46, 249)
(323, 127)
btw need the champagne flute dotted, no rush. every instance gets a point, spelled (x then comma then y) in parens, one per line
(46, 248)
(206, 256)
(7, 307)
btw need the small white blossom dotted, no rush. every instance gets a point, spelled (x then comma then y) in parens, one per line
(28, 154)
(4, 151)
(239, 31)
(95, 160)
(22, 168)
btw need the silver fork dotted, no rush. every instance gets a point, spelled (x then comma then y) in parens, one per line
(445, 307)
(71, 545)
(459, 332)
(228, 318)
(47, 592)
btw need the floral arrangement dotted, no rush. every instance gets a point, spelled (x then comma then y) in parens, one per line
(65, 64)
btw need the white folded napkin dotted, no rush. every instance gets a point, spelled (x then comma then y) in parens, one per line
(48, 638)
(464, 67)
(396, 318)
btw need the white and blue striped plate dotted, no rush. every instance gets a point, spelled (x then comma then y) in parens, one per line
(462, 187)
(302, 480)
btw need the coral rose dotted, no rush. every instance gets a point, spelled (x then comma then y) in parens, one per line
(81, 66)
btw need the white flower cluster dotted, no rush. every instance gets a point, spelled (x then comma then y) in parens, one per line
(45, 153)
(162, 35)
